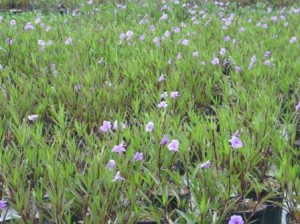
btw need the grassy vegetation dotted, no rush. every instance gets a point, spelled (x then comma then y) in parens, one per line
(221, 82)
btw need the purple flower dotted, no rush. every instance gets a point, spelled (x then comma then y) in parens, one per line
(267, 54)
(28, 26)
(32, 117)
(9, 41)
(205, 165)
(12, 22)
(179, 56)
(111, 164)
(215, 61)
(267, 62)
(164, 95)
(138, 156)
(173, 145)
(118, 177)
(235, 141)
(174, 94)
(236, 219)
(129, 35)
(68, 41)
(167, 33)
(293, 40)
(185, 42)
(122, 36)
(226, 38)
(142, 37)
(222, 51)
(195, 54)
(1, 67)
(162, 104)
(298, 106)
(164, 140)
(243, 29)
(161, 78)
(101, 60)
(163, 17)
(119, 148)
(149, 127)
(3, 204)
(238, 69)
(176, 30)
(106, 126)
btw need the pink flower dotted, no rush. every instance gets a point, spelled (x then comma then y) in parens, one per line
(106, 126)
(149, 127)
(118, 177)
(32, 117)
(173, 145)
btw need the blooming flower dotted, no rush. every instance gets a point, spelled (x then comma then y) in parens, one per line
(185, 42)
(28, 26)
(205, 165)
(298, 106)
(32, 117)
(42, 44)
(3, 204)
(226, 38)
(106, 126)
(162, 104)
(163, 17)
(118, 177)
(267, 54)
(222, 51)
(1, 67)
(138, 156)
(149, 127)
(174, 94)
(238, 68)
(173, 145)
(9, 41)
(235, 141)
(68, 41)
(12, 22)
(236, 219)
(215, 61)
(179, 56)
(195, 54)
(161, 78)
(293, 40)
(164, 140)
(164, 95)
(267, 62)
(119, 148)
(111, 164)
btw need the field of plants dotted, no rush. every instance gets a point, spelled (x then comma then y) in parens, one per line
(150, 112)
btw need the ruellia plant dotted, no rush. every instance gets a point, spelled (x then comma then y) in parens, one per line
(147, 111)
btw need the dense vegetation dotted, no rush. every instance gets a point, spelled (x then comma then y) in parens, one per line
(104, 106)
